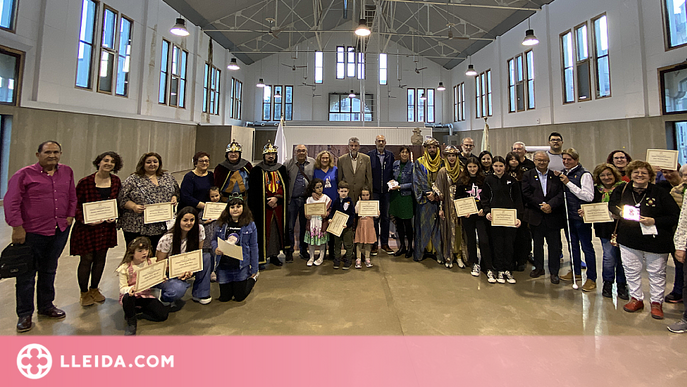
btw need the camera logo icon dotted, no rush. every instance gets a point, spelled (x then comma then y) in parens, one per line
(34, 361)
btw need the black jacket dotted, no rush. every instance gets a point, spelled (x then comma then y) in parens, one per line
(505, 193)
(533, 196)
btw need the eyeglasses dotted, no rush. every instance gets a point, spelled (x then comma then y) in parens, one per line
(620, 158)
(555, 140)
(204, 161)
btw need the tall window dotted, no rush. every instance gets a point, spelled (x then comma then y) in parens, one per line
(236, 97)
(521, 83)
(267, 103)
(319, 66)
(124, 57)
(429, 103)
(383, 72)
(8, 10)
(459, 102)
(411, 105)
(107, 51)
(86, 40)
(340, 63)
(277, 95)
(10, 83)
(483, 95)
(345, 108)
(582, 63)
(361, 65)
(603, 70)
(421, 99)
(172, 88)
(211, 89)
(350, 62)
(288, 103)
(568, 68)
(675, 23)
(455, 103)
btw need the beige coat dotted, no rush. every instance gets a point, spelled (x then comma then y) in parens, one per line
(356, 181)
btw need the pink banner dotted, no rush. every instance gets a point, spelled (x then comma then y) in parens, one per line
(338, 361)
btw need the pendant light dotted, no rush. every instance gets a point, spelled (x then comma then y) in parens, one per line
(351, 94)
(233, 65)
(441, 86)
(363, 30)
(179, 29)
(471, 70)
(261, 83)
(530, 39)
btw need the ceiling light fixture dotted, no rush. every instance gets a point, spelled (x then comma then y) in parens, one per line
(530, 39)
(233, 65)
(441, 86)
(471, 70)
(363, 29)
(179, 29)
(351, 94)
(261, 83)
(277, 94)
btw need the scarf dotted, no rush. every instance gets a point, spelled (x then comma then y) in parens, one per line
(432, 166)
(234, 167)
(606, 193)
(454, 172)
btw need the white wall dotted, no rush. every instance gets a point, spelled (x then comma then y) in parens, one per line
(637, 50)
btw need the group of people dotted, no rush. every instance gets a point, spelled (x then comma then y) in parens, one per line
(264, 201)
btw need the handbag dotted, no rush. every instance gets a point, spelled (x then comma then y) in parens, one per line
(16, 260)
(614, 236)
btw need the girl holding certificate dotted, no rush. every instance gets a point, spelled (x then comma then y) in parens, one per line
(315, 234)
(185, 236)
(236, 275)
(138, 255)
(471, 184)
(365, 235)
(505, 193)
(91, 241)
(647, 240)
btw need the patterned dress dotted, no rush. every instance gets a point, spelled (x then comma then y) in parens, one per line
(85, 238)
(316, 234)
(140, 190)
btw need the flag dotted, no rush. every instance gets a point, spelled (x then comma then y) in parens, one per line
(485, 136)
(280, 143)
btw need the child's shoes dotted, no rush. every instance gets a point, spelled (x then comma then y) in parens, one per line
(358, 264)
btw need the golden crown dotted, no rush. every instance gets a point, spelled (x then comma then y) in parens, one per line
(233, 147)
(269, 148)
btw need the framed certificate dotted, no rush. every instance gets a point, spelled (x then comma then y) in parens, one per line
(160, 212)
(213, 210)
(596, 213)
(466, 206)
(368, 208)
(181, 263)
(504, 217)
(312, 209)
(150, 276)
(101, 210)
(230, 249)
(338, 223)
(662, 158)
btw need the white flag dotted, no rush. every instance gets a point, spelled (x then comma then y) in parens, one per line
(280, 143)
(485, 136)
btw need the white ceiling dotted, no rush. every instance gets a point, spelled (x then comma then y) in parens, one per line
(255, 29)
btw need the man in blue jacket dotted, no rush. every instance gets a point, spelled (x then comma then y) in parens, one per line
(382, 162)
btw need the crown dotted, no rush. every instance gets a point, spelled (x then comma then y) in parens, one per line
(233, 147)
(429, 140)
(451, 149)
(269, 148)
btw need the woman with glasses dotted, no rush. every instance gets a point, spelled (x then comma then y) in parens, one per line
(619, 159)
(195, 188)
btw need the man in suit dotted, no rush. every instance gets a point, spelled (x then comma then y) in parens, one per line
(354, 168)
(382, 162)
(542, 192)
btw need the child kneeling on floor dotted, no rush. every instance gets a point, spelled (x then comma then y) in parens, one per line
(138, 255)
(236, 277)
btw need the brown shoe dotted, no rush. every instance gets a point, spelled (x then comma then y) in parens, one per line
(634, 305)
(536, 273)
(657, 310)
(96, 295)
(387, 249)
(24, 324)
(568, 277)
(86, 299)
(589, 285)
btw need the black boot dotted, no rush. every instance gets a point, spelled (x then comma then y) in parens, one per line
(275, 261)
(131, 326)
(400, 251)
(622, 291)
(608, 289)
(409, 253)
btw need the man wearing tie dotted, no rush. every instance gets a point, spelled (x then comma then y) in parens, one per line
(542, 192)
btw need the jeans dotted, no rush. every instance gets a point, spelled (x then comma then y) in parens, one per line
(383, 218)
(633, 261)
(612, 267)
(47, 251)
(172, 289)
(201, 285)
(297, 210)
(581, 234)
(679, 274)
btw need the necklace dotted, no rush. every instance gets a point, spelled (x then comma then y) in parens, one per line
(638, 203)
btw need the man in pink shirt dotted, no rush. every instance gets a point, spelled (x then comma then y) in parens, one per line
(40, 205)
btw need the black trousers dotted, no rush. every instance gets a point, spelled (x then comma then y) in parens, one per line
(523, 244)
(553, 239)
(503, 239)
(404, 228)
(150, 306)
(479, 224)
(238, 290)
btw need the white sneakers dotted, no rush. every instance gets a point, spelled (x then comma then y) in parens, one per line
(202, 301)
(319, 260)
(475, 270)
(310, 261)
(509, 277)
(500, 279)
(490, 277)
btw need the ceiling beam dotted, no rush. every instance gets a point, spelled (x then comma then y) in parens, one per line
(449, 4)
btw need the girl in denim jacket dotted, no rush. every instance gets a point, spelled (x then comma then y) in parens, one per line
(236, 277)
